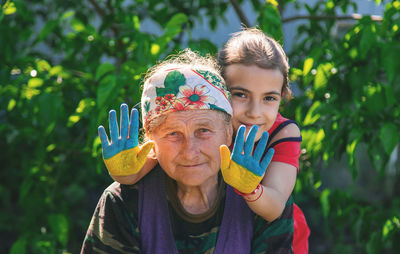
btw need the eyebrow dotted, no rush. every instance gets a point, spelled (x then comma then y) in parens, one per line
(247, 91)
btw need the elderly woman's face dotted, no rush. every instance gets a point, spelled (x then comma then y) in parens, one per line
(187, 144)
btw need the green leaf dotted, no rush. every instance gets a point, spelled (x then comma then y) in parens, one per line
(174, 25)
(104, 91)
(270, 21)
(368, 38)
(43, 65)
(322, 76)
(389, 136)
(77, 25)
(67, 15)
(136, 23)
(11, 104)
(172, 82)
(308, 64)
(311, 116)
(324, 199)
(35, 82)
(60, 227)
(9, 8)
(390, 60)
(47, 29)
(104, 69)
(18, 247)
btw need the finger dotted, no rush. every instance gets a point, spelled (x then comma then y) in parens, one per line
(249, 144)
(267, 159)
(134, 127)
(124, 121)
(261, 146)
(113, 126)
(144, 151)
(239, 140)
(103, 137)
(225, 156)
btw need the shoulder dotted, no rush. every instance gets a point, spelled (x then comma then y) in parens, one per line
(284, 128)
(119, 195)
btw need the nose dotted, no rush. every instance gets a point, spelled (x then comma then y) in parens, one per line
(190, 149)
(253, 110)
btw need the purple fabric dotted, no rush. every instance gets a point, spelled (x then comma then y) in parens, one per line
(235, 234)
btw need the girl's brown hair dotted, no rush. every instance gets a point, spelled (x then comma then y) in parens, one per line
(252, 47)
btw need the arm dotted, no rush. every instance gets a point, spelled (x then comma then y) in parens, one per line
(122, 156)
(277, 184)
(244, 171)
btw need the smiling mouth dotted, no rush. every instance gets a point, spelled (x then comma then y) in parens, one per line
(192, 165)
(250, 125)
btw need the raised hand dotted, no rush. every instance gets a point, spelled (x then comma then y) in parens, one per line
(244, 169)
(122, 155)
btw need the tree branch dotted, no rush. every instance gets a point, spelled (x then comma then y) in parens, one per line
(327, 17)
(240, 13)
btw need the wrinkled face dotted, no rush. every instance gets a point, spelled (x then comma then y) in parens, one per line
(256, 95)
(187, 145)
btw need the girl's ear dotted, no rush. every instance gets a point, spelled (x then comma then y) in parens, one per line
(229, 133)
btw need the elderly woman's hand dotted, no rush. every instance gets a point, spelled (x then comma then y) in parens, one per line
(123, 156)
(244, 171)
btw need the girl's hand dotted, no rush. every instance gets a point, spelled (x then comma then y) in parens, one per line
(243, 170)
(123, 156)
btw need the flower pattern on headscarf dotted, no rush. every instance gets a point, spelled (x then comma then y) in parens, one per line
(195, 96)
(184, 89)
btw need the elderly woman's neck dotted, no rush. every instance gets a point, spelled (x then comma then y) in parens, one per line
(198, 199)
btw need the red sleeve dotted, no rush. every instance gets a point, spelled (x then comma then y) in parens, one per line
(287, 152)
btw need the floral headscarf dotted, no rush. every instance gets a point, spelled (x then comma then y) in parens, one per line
(184, 89)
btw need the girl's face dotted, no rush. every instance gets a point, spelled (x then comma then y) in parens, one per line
(256, 96)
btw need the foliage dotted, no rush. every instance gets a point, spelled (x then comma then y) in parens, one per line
(65, 64)
(350, 107)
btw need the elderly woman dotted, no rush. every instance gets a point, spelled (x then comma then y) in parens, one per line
(183, 205)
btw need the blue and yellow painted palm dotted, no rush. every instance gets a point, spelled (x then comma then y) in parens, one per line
(244, 170)
(122, 155)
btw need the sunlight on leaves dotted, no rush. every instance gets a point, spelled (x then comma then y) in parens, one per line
(11, 104)
(77, 25)
(155, 49)
(9, 8)
(35, 82)
(136, 22)
(312, 116)
(322, 76)
(308, 64)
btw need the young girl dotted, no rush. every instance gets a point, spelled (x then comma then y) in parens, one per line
(255, 68)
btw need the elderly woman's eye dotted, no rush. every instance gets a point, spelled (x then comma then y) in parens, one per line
(238, 94)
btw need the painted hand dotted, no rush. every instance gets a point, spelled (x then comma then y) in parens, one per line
(243, 170)
(123, 156)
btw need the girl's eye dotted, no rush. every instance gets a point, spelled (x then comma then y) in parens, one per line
(269, 98)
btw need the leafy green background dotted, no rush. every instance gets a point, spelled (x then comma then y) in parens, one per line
(65, 64)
